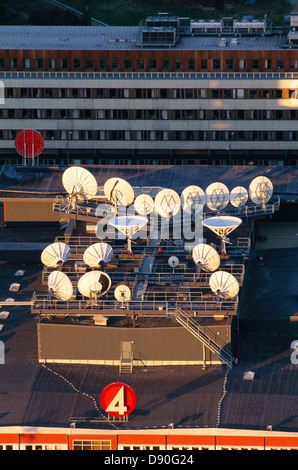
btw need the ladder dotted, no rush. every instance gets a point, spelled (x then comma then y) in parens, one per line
(205, 335)
(126, 358)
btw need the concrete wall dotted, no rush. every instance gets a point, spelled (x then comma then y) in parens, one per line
(102, 345)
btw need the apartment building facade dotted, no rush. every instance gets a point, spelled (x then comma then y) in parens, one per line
(158, 93)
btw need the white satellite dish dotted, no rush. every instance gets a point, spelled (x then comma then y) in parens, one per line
(167, 202)
(192, 197)
(224, 285)
(260, 190)
(94, 284)
(55, 255)
(144, 204)
(217, 196)
(173, 262)
(59, 286)
(206, 258)
(98, 255)
(80, 184)
(129, 225)
(122, 293)
(238, 196)
(119, 192)
(222, 226)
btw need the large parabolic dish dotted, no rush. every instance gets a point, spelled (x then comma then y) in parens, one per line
(192, 197)
(205, 257)
(217, 196)
(238, 196)
(94, 284)
(260, 190)
(224, 285)
(119, 192)
(59, 286)
(55, 255)
(144, 204)
(129, 225)
(98, 254)
(167, 203)
(222, 226)
(79, 183)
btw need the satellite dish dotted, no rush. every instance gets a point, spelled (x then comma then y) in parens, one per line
(217, 196)
(222, 226)
(79, 183)
(238, 196)
(224, 285)
(55, 255)
(118, 192)
(94, 284)
(98, 255)
(167, 202)
(129, 225)
(205, 257)
(122, 294)
(144, 204)
(260, 190)
(59, 286)
(191, 197)
(173, 261)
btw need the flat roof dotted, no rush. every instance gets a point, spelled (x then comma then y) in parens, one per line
(82, 38)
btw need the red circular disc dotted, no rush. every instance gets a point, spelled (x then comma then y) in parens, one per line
(118, 399)
(29, 143)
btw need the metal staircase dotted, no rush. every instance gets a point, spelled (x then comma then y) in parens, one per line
(205, 335)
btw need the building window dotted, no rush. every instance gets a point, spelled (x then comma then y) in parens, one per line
(267, 64)
(102, 64)
(89, 64)
(91, 445)
(165, 64)
(280, 64)
(191, 64)
(204, 64)
(127, 63)
(229, 64)
(216, 64)
(26, 63)
(64, 63)
(52, 64)
(115, 64)
(76, 63)
(39, 63)
(140, 64)
(242, 64)
(178, 64)
(2, 63)
(255, 63)
(293, 64)
(13, 63)
(152, 64)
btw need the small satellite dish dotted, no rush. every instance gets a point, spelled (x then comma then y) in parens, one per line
(205, 257)
(59, 286)
(55, 255)
(173, 261)
(167, 202)
(80, 184)
(118, 192)
(217, 196)
(122, 293)
(260, 190)
(144, 204)
(224, 285)
(129, 225)
(97, 255)
(94, 284)
(222, 226)
(238, 196)
(192, 197)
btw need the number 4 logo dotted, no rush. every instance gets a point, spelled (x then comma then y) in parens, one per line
(118, 399)
(117, 404)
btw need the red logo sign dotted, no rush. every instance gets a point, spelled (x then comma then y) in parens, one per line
(29, 143)
(118, 399)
